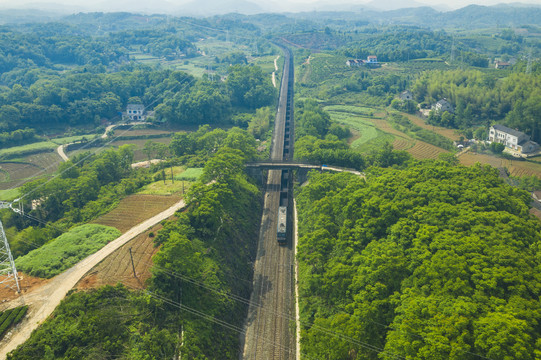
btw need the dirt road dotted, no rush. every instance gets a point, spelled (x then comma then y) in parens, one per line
(61, 153)
(44, 300)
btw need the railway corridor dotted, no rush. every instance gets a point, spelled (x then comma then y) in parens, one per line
(268, 328)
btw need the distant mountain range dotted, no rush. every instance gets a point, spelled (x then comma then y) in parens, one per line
(375, 11)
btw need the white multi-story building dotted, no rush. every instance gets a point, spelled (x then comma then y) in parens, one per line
(135, 112)
(513, 139)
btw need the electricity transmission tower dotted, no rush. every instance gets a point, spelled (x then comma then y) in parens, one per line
(8, 272)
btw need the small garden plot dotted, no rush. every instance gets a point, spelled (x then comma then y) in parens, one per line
(66, 250)
(11, 317)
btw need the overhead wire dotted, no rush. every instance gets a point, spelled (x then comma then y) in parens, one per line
(210, 318)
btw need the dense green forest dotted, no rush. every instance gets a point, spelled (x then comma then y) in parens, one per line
(430, 261)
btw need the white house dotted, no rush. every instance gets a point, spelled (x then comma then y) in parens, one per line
(513, 139)
(372, 59)
(442, 106)
(135, 112)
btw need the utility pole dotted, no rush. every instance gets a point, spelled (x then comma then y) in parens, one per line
(172, 177)
(132, 265)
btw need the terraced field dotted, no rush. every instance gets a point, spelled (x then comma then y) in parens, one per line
(515, 167)
(422, 150)
(134, 209)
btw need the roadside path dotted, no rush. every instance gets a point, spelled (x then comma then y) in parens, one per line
(61, 153)
(44, 300)
(61, 149)
(275, 70)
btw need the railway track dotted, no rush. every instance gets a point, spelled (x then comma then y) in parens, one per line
(267, 330)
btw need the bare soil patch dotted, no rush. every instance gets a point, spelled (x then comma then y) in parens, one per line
(134, 209)
(535, 212)
(27, 284)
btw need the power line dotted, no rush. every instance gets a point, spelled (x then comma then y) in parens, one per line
(282, 315)
(210, 318)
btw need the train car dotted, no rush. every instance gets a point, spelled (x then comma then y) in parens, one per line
(282, 225)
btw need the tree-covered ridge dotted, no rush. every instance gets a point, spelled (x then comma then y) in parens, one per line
(429, 262)
(202, 268)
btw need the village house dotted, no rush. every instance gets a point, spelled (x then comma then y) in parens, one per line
(355, 62)
(512, 139)
(501, 65)
(371, 60)
(406, 95)
(135, 112)
(442, 106)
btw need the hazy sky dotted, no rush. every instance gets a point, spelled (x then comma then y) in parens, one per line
(282, 3)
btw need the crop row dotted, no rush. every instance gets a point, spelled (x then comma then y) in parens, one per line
(11, 317)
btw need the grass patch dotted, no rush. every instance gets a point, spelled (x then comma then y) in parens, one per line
(9, 194)
(376, 143)
(190, 174)
(183, 180)
(366, 130)
(66, 250)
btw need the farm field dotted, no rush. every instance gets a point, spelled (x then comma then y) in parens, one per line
(134, 209)
(26, 168)
(448, 133)
(183, 180)
(25, 149)
(515, 167)
(16, 174)
(118, 267)
(371, 132)
(139, 155)
(422, 150)
(365, 131)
